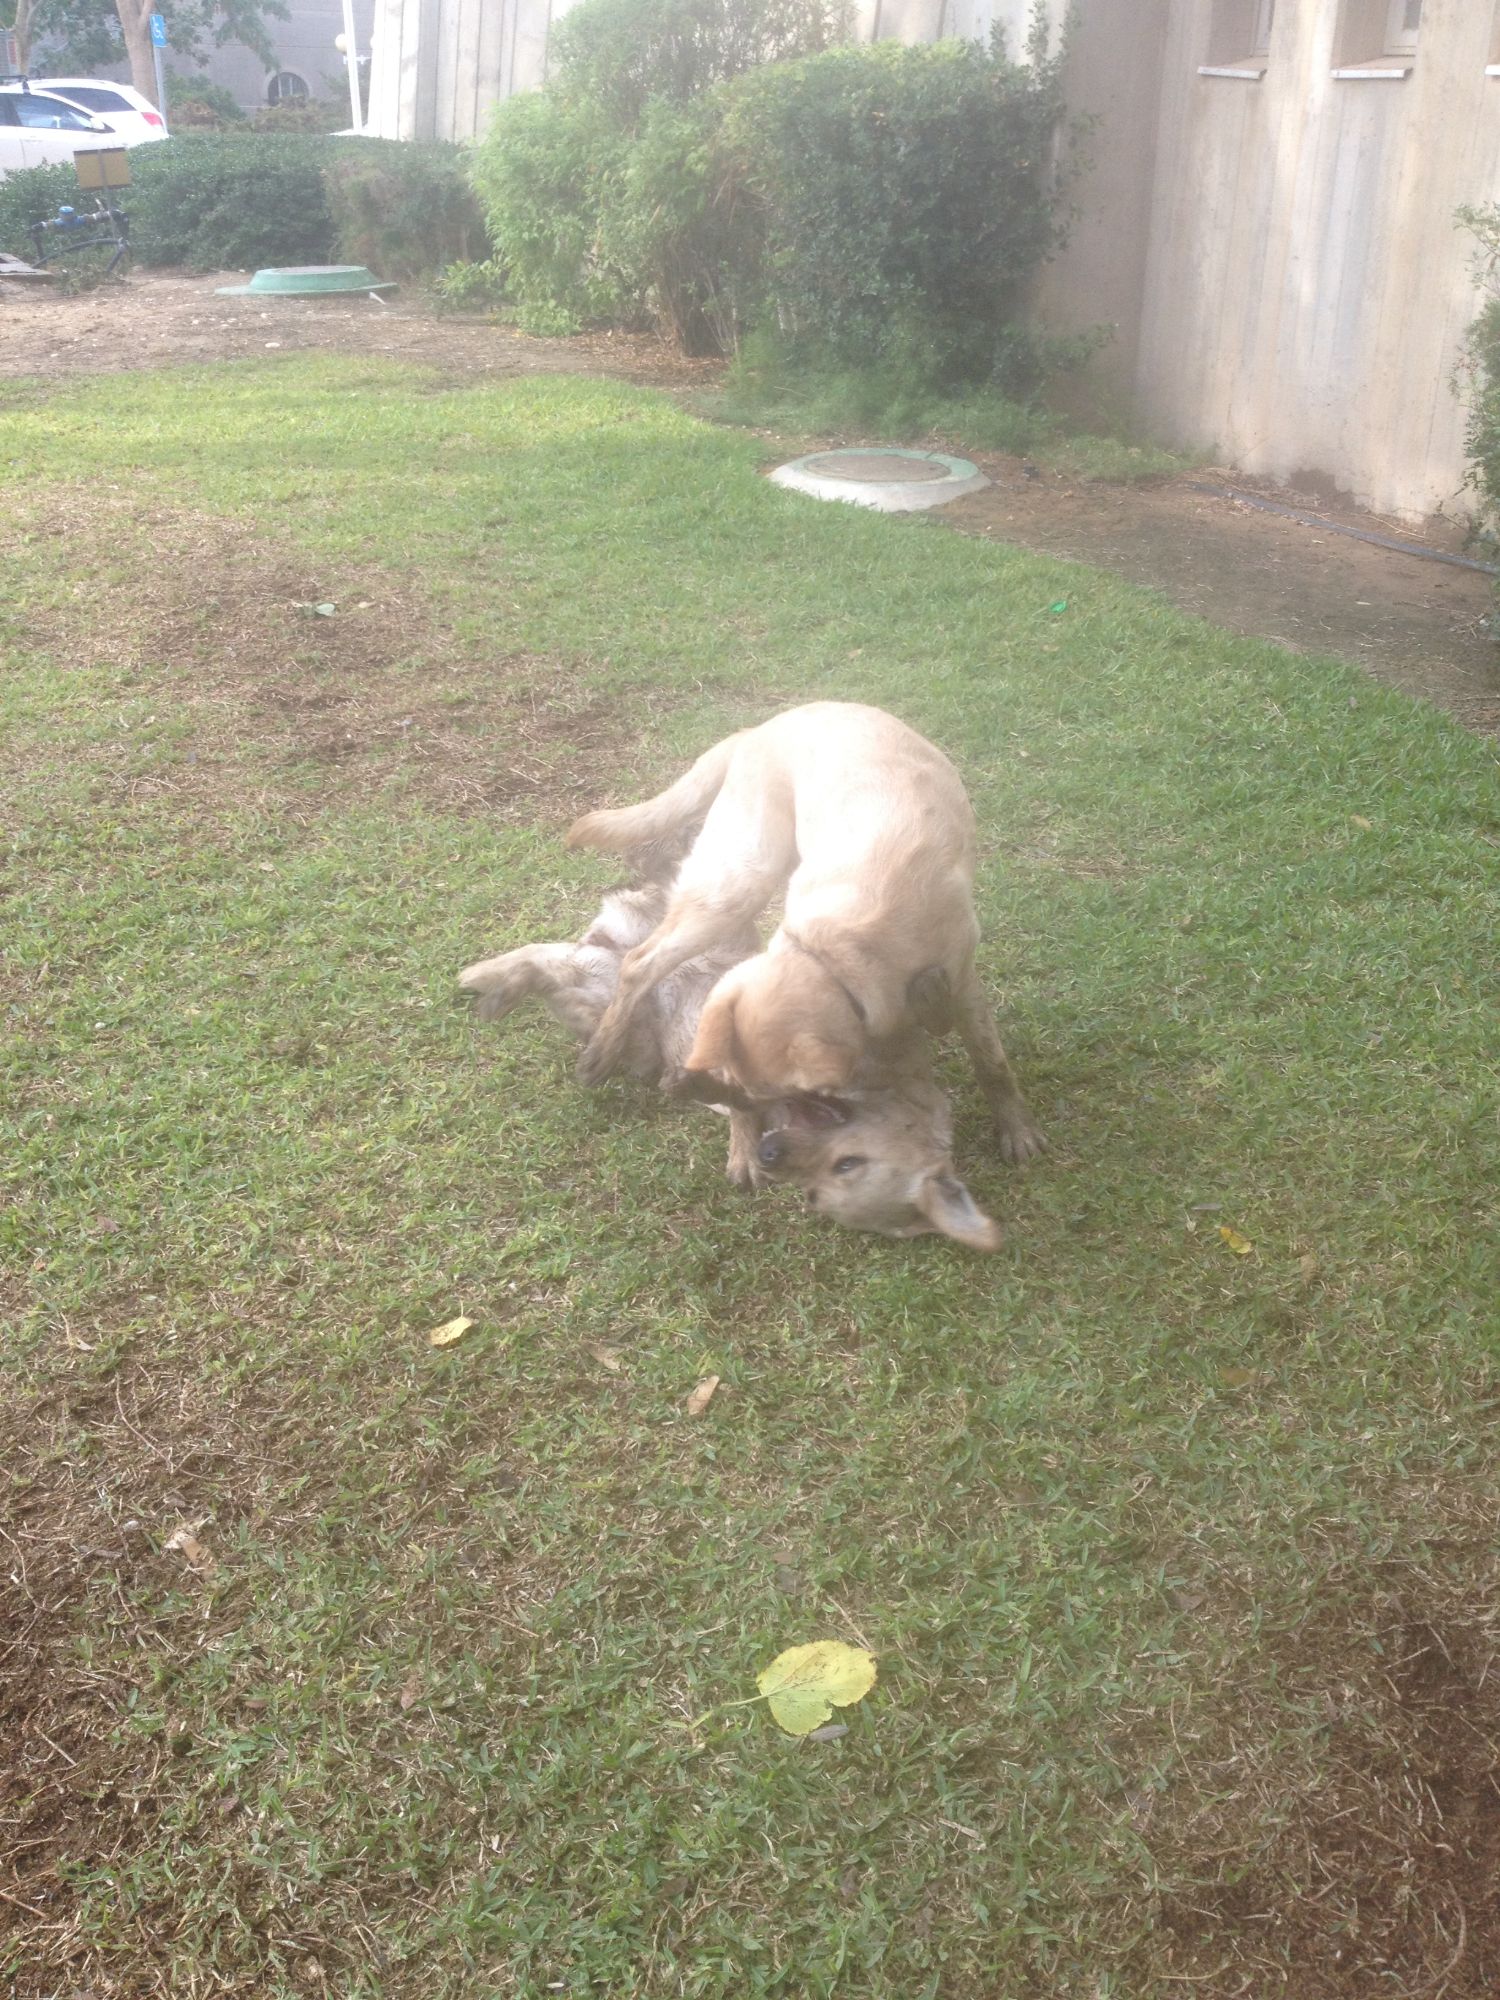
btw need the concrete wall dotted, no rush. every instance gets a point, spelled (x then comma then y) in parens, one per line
(439, 67)
(1306, 292)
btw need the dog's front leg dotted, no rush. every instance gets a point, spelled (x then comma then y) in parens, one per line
(1020, 1139)
(744, 1137)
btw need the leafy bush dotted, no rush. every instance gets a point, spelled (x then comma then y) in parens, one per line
(543, 173)
(466, 287)
(32, 195)
(617, 56)
(881, 208)
(589, 226)
(198, 104)
(908, 197)
(403, 209)
(683, 236)
(304, 114)
(230, 201)
(1480, 368)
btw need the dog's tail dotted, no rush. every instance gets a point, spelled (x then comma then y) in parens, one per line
(655, 835)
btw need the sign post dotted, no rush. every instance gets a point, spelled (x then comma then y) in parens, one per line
(158, 43)
(346, 46)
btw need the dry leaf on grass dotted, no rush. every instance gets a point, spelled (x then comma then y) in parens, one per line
(451, 1330)
(702, 1396)
(805, 1684)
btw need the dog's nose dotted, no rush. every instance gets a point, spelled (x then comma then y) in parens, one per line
(770, 1150)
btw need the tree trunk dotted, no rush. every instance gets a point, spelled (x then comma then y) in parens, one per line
(135, 25)
(21, 30)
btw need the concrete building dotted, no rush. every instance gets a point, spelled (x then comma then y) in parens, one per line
(1267, 226)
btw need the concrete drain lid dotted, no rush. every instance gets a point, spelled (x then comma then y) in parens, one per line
(896, 482)
(307, 281)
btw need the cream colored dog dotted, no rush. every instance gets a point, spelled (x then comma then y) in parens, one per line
(867, 829)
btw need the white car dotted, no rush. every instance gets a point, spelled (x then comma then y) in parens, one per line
(123, 107)
(38, 129)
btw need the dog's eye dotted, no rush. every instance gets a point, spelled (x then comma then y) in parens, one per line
(848, 1163)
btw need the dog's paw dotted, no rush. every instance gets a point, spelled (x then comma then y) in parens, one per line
(492, 989)
(1020, 1142)
(598, 1063)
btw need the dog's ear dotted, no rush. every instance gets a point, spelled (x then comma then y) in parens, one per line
(715, 1055)
(952, 1211)
(817, 1065)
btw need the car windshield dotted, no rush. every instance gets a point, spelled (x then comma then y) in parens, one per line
(94, 98)
(48, 113)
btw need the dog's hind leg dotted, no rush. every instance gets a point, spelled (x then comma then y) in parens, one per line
(572, 980)
(974, 1018)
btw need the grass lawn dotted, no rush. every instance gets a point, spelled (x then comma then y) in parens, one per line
(1180, 1563)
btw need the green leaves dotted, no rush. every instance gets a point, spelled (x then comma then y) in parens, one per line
(805, 1684)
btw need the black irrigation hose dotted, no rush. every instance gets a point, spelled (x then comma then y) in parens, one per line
(1338, 528)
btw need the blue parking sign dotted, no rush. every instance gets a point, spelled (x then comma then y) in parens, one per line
(158, 31)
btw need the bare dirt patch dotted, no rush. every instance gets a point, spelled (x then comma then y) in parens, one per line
(1416, 624)
(173, 319)
(99, 1477)
(295, 693)
(1371, 1865)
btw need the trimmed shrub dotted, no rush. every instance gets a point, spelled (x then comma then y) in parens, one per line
(240, 200)
(33, 195)
(403, 209)
(908, 197)
(543, 173)
(230, 201)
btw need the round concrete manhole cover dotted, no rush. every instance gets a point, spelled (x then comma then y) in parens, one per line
(875, 465)
(894, 481)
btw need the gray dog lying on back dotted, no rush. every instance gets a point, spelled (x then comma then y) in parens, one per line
(576, 982)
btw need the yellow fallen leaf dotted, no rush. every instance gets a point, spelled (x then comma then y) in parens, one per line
(702, 1396)
(1240, 1245)
(445, 1335)
(806, 1684)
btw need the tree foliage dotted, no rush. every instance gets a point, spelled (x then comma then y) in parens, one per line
(77, 37)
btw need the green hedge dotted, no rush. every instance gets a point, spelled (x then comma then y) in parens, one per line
(241, 200)
(872, 206)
